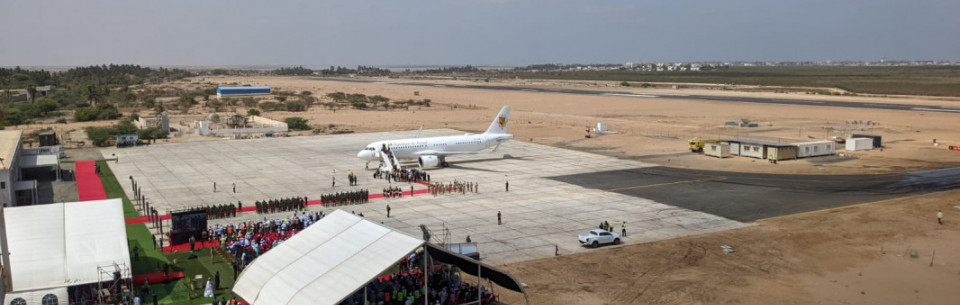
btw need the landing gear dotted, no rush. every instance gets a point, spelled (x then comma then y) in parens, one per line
(443, 162)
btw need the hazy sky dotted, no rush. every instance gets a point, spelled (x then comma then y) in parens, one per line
(479, 32)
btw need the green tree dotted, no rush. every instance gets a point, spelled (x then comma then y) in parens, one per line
(46, 105)
(13, 117)
(296, 123)
(94, 94)
(337, 97)
(98, 135)
(124, 127)
(252, 112)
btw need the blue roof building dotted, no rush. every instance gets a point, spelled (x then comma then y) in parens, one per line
(234, 91)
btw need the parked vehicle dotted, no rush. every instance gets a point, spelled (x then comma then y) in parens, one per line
(598, 237)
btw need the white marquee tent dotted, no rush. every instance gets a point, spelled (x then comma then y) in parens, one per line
(335, 257)
(321, 264)
(54, 246)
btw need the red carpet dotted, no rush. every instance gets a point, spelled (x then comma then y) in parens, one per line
(253, 208)
(89, 185)
(186, 246)
(156, 277)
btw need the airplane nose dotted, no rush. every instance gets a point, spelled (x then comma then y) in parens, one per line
(360, 154)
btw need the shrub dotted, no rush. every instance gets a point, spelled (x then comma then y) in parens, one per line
(270, 106)
(101, 112)
(296, 106)
(98, 135)
(252, 112)
(296, 123)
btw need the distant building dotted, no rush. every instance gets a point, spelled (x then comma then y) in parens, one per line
(162, 122)
(14, 160)
(24, 94)
(241, 91)
(10, 146)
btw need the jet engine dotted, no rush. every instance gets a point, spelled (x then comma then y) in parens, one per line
(428, 161)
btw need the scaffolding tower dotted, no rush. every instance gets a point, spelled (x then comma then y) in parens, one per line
(115, 283)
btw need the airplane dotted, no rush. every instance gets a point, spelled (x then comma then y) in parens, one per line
(432, 152)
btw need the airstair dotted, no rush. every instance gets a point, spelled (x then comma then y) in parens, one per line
(390, 162)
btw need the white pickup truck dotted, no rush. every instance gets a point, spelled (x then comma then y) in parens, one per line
(596, 237)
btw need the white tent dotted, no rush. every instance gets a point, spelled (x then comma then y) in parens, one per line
(38, 297)
(324, 263)
(54, 246)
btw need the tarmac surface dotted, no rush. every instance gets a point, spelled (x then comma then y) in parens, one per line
(538, 213)
(747, 197)
(554, 193)
(625, 94)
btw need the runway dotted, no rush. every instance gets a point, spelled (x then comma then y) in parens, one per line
(625, 94)
(748, 197)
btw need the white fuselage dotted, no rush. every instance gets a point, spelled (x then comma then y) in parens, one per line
(407, 149)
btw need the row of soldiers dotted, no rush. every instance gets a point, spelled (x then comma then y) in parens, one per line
(391, 192)
(281, 205)
(221, 210)
(461, 187)
(340, 198)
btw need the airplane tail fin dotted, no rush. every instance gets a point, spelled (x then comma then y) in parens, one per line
(499, 124)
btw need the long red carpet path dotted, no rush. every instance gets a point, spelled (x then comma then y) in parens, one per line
(89, 186)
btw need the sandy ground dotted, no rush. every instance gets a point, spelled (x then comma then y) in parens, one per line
(851, 255)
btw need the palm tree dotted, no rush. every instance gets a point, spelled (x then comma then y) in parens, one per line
(93, 94)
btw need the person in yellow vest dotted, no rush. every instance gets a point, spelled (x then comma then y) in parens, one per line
(623, 229)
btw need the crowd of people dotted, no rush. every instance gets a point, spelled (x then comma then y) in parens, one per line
(344, 198)
(402, 175)
(461, 187)
(246, 241)
(281, 205)
(444, 287)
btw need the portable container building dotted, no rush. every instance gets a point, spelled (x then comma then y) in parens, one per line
(859, 144)
(877, 143)
(734, 148)
(781, 152)
(758, 151)
(719, 150)
(818, 148)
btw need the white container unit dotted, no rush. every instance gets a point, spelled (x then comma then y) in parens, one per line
(719, 150)
(854, 144)
(814, 149)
